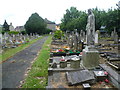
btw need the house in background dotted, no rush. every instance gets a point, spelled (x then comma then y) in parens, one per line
(11, 27)
(57, 26)
(1, 27)
(50, 25)
(19, 28)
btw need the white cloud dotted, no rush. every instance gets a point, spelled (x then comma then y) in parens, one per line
(18, 11)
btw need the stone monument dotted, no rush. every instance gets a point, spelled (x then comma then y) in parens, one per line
(90, 28)
(75, 40)
(90, 56)
(96, 37)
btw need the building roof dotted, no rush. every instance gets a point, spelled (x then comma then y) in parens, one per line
(19, 27)
(48, 22)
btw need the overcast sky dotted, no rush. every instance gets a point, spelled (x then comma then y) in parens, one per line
(18, 11)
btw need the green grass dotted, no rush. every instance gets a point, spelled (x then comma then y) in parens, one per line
(10, 52)
(37, 76)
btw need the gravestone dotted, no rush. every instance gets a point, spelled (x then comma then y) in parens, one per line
(75, 41)
(78, 77)
(112, 35)
(115, 38)
(75, 62)
(90, 56)
(67, 37)
(71, 41)
(96, 37)
(0, 38)
(82, 35)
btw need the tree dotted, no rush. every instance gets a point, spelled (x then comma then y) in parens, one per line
(71, 14)
(74, 19)
(35, 24)
(113, 19)
(5, 26)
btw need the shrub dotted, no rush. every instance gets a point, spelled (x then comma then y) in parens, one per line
(58, 34)
(23, 32)
(13, 32)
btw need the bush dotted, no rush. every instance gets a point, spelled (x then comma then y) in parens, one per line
(13, 32)
(47, 31)
(58, 34)
(23, 32)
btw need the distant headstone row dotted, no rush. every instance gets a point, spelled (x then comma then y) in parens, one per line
(11, 40)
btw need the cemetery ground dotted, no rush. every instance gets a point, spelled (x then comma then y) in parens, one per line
(65, 73)
(53, 66)
(8, 52)
(15, 67)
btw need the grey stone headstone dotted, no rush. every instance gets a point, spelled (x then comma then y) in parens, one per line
(90, 57)
(96, 37)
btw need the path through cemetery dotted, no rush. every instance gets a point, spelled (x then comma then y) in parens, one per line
(15, 67)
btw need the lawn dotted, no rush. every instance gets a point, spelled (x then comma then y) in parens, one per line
(37, 76)
(10, 52)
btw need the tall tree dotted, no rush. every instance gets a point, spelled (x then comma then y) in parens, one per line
(70, 15)
(74, 19)
(35, 24)
(113, 20)
(5, 26)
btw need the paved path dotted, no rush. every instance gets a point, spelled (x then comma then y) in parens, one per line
(13, 73)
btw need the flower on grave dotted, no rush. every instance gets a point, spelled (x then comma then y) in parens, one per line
(106, 73)
(60, 50)
(106, 80)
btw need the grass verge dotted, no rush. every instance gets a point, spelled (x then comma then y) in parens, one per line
(37, 76)
(10, 52)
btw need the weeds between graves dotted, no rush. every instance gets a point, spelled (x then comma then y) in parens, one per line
(37, 76)
(10, 52)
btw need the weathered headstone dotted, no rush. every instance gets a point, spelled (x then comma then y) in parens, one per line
(71, 41)
(75, 41)
(112, 35)
(0, 38)
(90, 55)
(75, 62)
(96, 37)
(115, 38)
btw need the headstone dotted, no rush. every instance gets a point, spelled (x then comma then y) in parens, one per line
(90, 57)
(112, 35)
(83, 76)
(0, 38)
(63, 64)
(75, 41)
(82, 35)
(75, 62)
(116, 38)
(96, 37)
(71, 41)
